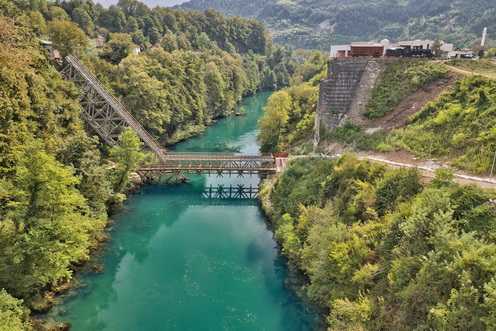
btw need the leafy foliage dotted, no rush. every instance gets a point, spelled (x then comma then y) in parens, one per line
(48, 169)
(383, 251)
(290, 113)
(12, 314)
(127, 155)
(399, 80)
(460, 124)
(352, 134)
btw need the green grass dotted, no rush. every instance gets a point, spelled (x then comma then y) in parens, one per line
(460, 126)
(400, 80)
(355, 135)
(482, 66)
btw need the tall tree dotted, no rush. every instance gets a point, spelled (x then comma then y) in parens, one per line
(67, 37)
(127, 156)
(274, 121)
(81, 18)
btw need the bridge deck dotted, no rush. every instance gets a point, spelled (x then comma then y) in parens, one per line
(180, 164)
(213, 163)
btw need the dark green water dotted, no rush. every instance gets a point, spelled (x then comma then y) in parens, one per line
(178, 261)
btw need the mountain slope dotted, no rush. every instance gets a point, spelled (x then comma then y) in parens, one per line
(318, 23)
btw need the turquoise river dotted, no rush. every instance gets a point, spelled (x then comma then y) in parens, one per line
(178, 261)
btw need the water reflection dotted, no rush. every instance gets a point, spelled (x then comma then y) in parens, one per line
(196, 256)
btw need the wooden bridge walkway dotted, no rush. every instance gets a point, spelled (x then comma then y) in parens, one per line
(107, 116)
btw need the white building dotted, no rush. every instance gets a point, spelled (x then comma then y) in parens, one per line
(340, 50)
(424, 44)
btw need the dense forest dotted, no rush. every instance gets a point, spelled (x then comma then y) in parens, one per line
(290, 113)
(191, 68)
(382, 249)
(316, 24)
(54, 190)
(57, 183)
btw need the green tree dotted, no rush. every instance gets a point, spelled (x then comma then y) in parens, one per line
(132, 25)
(38, 23)
(127, 157)
(12, 314)
(273, 122)
(81, 18)
(491, 53)
(112, 19)
(56, 13)
(67, 37)
(117, 48)
(45, 225)
(436, 47)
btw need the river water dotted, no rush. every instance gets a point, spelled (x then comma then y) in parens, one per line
(180, 261)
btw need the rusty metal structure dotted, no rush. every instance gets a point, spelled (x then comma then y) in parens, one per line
(179, 164)
(107, 116)
(102, 111)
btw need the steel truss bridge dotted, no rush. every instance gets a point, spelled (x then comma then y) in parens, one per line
(179, 164)
(230, 192)
(108, 117)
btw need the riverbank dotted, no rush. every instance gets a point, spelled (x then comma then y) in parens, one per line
(175, 251)
(382, 248)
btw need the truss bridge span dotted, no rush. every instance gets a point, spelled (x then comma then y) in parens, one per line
(179, 164)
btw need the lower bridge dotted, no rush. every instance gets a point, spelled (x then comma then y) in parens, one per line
(177, 165)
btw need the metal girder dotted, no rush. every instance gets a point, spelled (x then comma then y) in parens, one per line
(101, 110)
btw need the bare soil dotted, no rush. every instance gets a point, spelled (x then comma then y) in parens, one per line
(399, 118)
(408, 106)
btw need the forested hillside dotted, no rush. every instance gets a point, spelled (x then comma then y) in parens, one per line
(53, 188)
(199, 68)
(319, 23)
(382, 251)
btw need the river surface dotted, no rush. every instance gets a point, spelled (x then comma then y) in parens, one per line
(180, 261)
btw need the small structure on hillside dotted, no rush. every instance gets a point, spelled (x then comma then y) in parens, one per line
(369, 49)
(52, 52)
(136, 49)
(461, 54)
(99, 41)
(154, 47)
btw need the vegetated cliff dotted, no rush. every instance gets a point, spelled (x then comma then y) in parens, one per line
(458, 126)
(382, 250)
(319, 23)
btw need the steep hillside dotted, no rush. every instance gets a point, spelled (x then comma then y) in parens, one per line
(382, 250)
(318, 23)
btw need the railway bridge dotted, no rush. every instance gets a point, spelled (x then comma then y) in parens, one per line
(107, 116)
